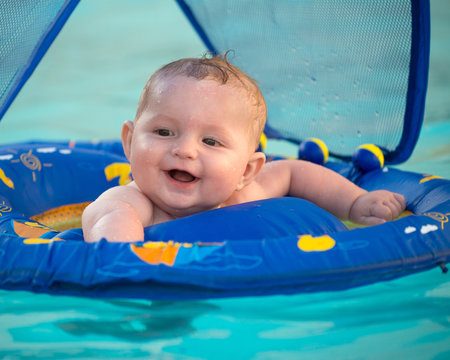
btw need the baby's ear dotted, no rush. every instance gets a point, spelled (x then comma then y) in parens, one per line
(254, 166)
(127, 135)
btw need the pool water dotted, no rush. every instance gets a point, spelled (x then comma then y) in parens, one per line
(85, 91)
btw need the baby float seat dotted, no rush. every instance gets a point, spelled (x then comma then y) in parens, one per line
(349, 74)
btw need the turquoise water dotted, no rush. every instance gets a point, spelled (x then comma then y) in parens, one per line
(85, 91)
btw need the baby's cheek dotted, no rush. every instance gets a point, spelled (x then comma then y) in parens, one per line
(235, 170)
(227, 177)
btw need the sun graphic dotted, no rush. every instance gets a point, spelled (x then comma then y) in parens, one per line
(32, 162)
(4, 208)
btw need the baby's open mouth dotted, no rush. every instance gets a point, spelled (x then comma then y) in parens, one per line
(181, 176)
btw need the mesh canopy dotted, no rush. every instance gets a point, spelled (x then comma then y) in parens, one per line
(349, 72)
(27, 28)
(343, 71)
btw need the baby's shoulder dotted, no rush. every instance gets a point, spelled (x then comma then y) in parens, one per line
(132, 196)
(273, 180)
(123, 192)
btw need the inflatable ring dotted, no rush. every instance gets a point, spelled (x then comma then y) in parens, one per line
(276, 246)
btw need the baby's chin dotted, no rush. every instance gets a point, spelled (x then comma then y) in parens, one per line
(178, 210)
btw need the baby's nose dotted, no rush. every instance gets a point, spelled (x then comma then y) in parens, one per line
(185, 148)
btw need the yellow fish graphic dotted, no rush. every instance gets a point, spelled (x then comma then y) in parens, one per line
(6, 180)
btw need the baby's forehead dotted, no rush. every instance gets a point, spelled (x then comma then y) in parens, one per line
(209, 86)
(161, 82)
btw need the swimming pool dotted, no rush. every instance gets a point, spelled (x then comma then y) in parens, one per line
(406, 318)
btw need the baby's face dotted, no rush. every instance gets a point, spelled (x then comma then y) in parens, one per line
(190, 148)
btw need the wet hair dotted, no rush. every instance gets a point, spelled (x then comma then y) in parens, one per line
(216, 68)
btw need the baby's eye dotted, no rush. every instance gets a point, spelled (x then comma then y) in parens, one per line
(211, 142)
(164, 132)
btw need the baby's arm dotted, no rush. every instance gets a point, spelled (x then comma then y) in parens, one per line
(330, 191)
(117, 215)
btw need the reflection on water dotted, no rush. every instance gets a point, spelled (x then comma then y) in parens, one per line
(157, 320)
(409, 316)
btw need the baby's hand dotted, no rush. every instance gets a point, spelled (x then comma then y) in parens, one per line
(377, 207)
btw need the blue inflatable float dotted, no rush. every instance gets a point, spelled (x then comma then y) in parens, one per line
(336, 90)
(277, 246)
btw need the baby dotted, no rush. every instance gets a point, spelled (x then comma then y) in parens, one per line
(192, 148)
